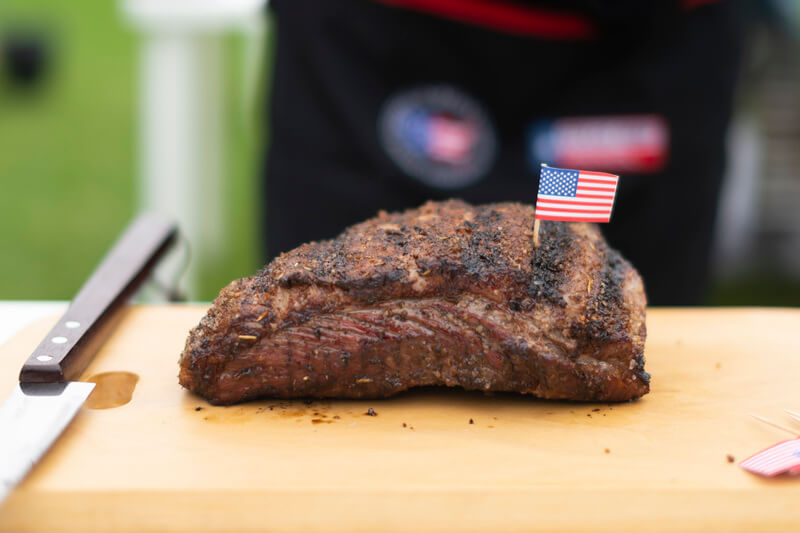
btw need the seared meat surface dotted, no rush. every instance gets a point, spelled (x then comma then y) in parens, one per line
(446, 294)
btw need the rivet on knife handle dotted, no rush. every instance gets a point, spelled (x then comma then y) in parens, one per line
(62, 355)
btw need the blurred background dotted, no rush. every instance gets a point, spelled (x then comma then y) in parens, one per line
(86, 125)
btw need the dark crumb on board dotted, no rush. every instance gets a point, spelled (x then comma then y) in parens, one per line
(336, 417)
(321, 421)
(404, 425)
(589, 415)
(308, 402)
(198, 408)
(471, 421)
(607, 450)
(596, 410)
(371, 412)
(730, 458)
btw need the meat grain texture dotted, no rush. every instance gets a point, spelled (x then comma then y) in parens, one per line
(447, 294)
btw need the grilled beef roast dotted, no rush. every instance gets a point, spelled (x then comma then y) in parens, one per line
(446, 294)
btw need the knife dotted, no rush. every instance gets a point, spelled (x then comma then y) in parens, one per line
(48, 396)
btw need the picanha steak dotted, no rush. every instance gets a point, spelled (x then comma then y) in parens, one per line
(446, 294)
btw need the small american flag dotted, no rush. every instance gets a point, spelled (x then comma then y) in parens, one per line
(575, 195)
(783, 457)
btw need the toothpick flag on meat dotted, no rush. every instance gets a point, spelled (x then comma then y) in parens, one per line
(574, 196)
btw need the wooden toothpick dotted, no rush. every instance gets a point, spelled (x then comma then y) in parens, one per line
(773, 424)
(794, 414)
(536, 224)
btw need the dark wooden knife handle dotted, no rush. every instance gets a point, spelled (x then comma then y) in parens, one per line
(63, 354)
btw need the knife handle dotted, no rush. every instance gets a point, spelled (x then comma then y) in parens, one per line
(64, 354)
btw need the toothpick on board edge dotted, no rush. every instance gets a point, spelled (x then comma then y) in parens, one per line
(773, 424)
(794, 414)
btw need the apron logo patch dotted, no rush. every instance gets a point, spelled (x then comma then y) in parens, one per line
(438, 135)
(637, 144)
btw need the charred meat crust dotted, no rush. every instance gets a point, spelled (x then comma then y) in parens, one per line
(446, 294)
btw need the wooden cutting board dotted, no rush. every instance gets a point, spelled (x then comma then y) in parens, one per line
(429, 460)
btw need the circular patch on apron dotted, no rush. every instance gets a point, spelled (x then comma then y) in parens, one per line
(438, 135)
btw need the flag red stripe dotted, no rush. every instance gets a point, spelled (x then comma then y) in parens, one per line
(571, 202)
(572, 219)
(604, 174)
(601, 182)
(600, 196)
(600, 189)
(567, 210)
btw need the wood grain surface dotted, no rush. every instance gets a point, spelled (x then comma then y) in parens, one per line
(169, 461)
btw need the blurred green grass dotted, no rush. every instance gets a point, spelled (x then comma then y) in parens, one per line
(756, 290)
(68, 159)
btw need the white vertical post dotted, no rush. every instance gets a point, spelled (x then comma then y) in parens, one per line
(181, 113)
(182, 145)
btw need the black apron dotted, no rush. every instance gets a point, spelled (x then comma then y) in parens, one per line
(379, 106)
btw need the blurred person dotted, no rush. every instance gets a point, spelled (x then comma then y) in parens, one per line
(386, 104)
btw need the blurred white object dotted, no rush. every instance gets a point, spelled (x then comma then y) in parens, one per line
(192, 15)
(758, 230)
(181, 121)
(737, 217)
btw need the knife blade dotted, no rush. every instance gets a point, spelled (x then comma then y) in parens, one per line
(49, 396)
